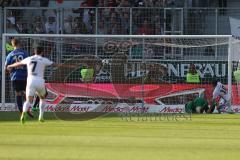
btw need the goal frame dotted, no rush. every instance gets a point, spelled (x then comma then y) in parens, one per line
(229, 59)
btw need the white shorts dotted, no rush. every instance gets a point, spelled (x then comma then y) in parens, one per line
(35, 85)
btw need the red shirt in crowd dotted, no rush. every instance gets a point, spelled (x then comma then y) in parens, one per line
(145, 31)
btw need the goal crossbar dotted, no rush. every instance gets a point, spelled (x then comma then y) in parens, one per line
(115, 36)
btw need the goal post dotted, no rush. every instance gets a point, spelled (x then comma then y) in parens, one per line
(130, 70)
(3, 70)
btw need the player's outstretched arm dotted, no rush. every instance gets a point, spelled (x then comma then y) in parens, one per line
(10, 67)
(63, 65)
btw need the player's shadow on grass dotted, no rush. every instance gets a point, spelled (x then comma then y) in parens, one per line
(15, 116)
(48, 116)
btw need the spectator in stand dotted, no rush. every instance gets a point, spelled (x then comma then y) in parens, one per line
(78, 26)
(112, 3)
(101, 27)
(25, 28)
(87, 19)
(132, 3)
(158, 28)
(151, 3)
(117, 2)
(125, 19)
(108, 3)
(38, 19)
(88, 15)
(11, 28)
(100, 3)
(38, 28)
(145, 29)
(18, 3)
(38, 25)
(170, 3)
(22, 27)
(106, 14)
(90, 3)
(21, 3)
(44, 3)
(115, 24)
(139, 3)
(93, 27)
(113, 16)
(11, 17)
(159, 3)
(67, 25)
(124, 3)
(148, 3)
(59, 3)
(117, 28)
(105, 3)
(50, 25)
(4, 3)
(136, 18)
(19, 26)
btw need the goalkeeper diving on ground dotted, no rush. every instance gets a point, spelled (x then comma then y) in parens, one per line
(220, 101)
(198, 105)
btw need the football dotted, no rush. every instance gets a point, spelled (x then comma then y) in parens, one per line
(105, 61)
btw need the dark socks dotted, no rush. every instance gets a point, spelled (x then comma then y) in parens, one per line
(36, 103)
(20, 103)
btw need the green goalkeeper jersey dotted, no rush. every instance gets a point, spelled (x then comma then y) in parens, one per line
(191, 106)
(87, 74)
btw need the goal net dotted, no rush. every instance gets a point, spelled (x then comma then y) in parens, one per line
(115, 73)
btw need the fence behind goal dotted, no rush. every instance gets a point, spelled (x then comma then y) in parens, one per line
(113, 73)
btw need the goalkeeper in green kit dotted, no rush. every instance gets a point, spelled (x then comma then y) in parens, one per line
(198, 105)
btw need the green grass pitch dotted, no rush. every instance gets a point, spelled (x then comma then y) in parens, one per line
(210, 137)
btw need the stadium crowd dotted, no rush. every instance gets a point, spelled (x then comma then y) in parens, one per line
(82, 20)
(96, 3)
